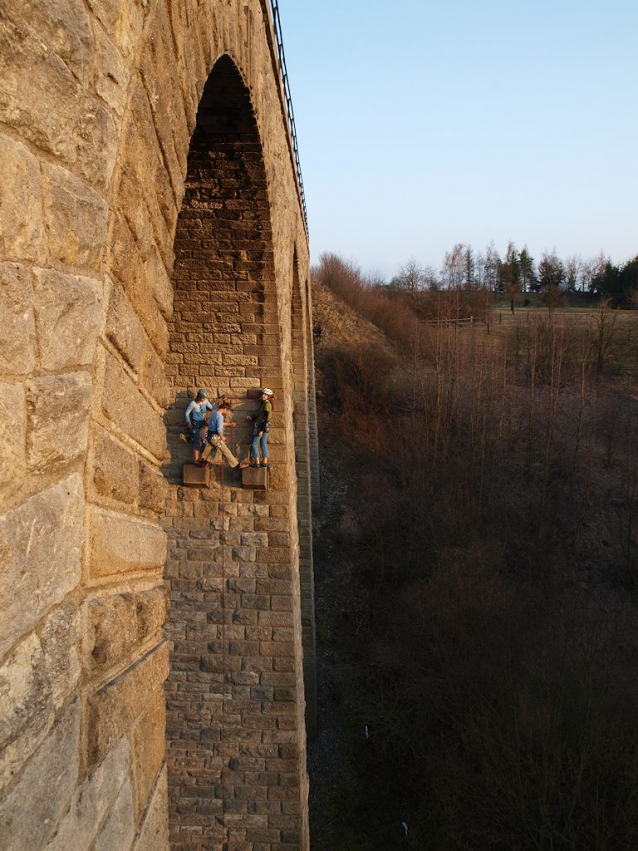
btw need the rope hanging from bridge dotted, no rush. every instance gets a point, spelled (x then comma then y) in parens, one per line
(225, 672)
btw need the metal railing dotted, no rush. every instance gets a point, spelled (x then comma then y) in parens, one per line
(290, 114)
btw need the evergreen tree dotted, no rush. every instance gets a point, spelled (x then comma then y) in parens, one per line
(608, 284)
(551, 278)
(528, 273)
(470, 267)
(629, 281)
(510, 274)
(551, 272)
(491, 266)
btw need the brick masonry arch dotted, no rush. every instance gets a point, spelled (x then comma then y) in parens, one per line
(236, 753)
(98, 106)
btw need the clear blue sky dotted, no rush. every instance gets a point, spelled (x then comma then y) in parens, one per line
(424, 123)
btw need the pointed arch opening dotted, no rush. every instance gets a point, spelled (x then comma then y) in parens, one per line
(235, 704)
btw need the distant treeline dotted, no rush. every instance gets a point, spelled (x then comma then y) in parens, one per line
(518, 272)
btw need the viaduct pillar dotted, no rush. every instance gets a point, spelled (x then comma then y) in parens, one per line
(152, 241)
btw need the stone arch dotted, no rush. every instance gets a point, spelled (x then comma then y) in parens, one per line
(233, 555)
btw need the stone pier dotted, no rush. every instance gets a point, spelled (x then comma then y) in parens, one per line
(155, 639)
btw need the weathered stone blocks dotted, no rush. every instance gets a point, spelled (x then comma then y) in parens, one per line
(12, 435)
(115, 469)
(149, 745)
(65, 26)
(77, 86)
(153, 488)
(35, 680)
(69, 314)
(58, 424)
(26, 706)
(40, 552)
(151, 608)
(119, 544)
(22, 228)
(119, 829)
(110, 630)
(113, 73)
(124, 330)
(76, 218)
(92, 801)
(60, 638)
(113, 710)
(154, 832)
(123, 22)
(115, 625)
(128, 409)
(153, 377)
(17, 333)
(31, 809)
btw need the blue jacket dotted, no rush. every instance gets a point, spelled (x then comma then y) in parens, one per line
(198, 411)
(216, 423)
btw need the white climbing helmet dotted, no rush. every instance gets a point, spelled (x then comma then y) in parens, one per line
(267, 392)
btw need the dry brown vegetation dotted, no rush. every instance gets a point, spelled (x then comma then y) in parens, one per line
(491, 526)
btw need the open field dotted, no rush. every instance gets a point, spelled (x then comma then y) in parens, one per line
(623, 318)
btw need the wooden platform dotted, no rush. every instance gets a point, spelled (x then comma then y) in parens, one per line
(255, 478)
(196, 477)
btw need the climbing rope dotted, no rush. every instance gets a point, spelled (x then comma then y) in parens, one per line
(222, 541)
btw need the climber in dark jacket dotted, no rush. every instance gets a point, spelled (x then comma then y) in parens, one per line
(262, 427)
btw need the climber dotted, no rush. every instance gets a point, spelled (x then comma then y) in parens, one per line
(262, 428)
(215, 438)
(196, 420)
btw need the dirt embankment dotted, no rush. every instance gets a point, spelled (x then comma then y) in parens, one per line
(340, 599)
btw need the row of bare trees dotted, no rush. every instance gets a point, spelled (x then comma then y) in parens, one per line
(517, 272)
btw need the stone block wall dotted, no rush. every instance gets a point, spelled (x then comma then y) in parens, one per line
(98, 105)
(235, 709)
(301, 363)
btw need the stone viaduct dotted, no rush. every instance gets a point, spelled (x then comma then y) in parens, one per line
(152, 241)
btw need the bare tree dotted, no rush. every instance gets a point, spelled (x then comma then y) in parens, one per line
(573, 272)
(454, 267)
(605, 321)
(551, 277)
(411, 279)
(492, 261)
(591, 269)
(510, 274)
(431, 278)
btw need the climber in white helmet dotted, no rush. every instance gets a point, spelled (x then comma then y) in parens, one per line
(262, 420)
